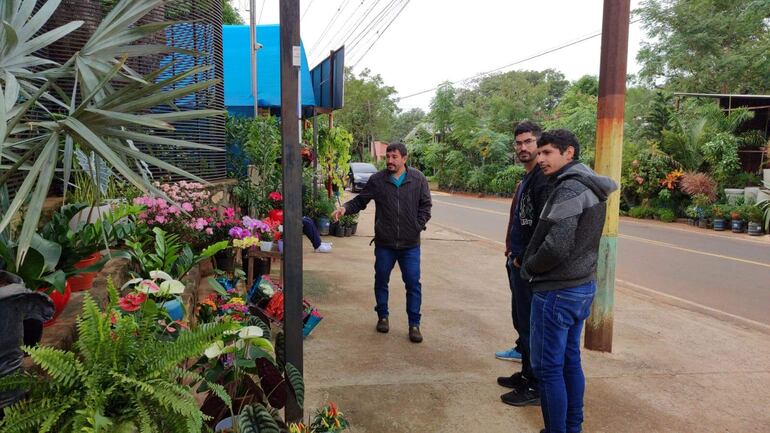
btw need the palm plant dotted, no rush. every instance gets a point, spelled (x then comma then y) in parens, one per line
(108, 109)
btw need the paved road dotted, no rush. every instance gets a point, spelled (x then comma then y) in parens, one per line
(729, 274)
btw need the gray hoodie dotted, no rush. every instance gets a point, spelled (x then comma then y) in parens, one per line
(565, 246)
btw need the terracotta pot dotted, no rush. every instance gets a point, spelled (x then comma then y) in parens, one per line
(85, 280)
(60, 301)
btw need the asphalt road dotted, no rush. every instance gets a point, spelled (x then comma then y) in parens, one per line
(729, 274)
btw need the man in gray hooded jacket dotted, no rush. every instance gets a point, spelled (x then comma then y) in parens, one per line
(560, 264)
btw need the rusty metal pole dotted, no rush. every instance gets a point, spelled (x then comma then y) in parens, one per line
(609, 157)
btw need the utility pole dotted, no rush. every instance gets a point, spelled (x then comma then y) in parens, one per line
(253, 52)
(292, 190)
(609, 157)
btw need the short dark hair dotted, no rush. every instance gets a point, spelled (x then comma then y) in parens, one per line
(527, 126)
(397, 146)
(560, 139)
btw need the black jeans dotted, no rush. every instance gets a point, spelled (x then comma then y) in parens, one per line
(521, 311)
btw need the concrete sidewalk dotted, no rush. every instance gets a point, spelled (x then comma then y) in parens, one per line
(672, 369)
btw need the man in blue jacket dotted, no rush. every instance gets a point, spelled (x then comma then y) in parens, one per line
(560, 265)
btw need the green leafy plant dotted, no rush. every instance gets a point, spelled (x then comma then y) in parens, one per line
(107, 110)
(665, 215)
(334, 154)
(168, 254)
(719, 211)
(121, 376)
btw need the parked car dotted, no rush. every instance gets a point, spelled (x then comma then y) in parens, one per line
(360, 172)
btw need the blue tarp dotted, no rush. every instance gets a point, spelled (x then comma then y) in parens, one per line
(237, 65)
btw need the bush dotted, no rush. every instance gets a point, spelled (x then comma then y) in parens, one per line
(505, 181)
(641, 212)
(665, 215)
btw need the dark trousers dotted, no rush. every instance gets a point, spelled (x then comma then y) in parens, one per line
(521, 309)
(311, 231)
(409, 263)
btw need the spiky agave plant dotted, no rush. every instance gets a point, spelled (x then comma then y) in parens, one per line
(123, 375)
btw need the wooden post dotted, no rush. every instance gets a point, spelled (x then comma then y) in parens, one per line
(609, 159)
(292, 190)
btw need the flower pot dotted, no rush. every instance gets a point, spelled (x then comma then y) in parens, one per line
(266, 246)
(84, 280)
(737, 226)
(703, 223)
(174, 309)
(354, 227)
(225, 424)
(89, 215)
(323, 226)
(225, 260)
(280, 246)
(348, 231)
(755, 229)
(720, 224)
(59, 300)
(19, 308)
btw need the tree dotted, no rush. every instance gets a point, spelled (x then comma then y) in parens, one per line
(229, 14)
(369, 109)
(405, 122)
(577, 112)
(707, 45)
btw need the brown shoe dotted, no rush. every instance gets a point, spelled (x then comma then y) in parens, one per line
(383, 326)
(414, 334)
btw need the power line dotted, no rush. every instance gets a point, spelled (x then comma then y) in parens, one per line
(330, 24)
(260, 12)
(540, 54)
(381, 33)
(371, 25)
(306, 9)
(361, 21)
(330, 43)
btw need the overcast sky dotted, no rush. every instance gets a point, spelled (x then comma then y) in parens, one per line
(432, 41)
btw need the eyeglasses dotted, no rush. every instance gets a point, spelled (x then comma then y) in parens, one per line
(526, 142)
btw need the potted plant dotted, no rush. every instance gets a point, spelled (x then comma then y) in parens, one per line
(266, 241)
(123, 372)
(323, 208)
(162, 289)
(18, 304)
(755, 216)
(702, 204)
(719, 211)
(354, 223)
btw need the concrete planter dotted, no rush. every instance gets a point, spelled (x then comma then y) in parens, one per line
(732, 194)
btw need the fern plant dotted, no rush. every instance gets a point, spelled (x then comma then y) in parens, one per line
(123, 375)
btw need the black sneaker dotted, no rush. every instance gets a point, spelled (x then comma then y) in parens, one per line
(514, 382)
(383, 326)
(521, 397)
(414, 334)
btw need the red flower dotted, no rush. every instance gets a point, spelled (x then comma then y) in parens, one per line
(132, 301)
(275, 196)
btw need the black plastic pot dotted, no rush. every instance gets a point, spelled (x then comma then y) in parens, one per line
(225, 260)
(737, 226)
(17, 305)
(755, 229)
(720, 224)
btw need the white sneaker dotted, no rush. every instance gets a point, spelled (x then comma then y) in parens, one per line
(324, 248)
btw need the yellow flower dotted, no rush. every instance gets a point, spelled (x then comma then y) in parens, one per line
(237, 301)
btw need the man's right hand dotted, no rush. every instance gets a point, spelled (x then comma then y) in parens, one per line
(337, 214)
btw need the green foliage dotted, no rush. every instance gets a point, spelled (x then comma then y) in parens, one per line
(165, 252)
(368, 111)
(108, 110)
(708, 46)
(665, 215)
(576, 111)
(641, 212)
(229, 14)
(334, 154)
(120, 376)
(404, 122)
(506, 179)
(721, 152)
(257, 419)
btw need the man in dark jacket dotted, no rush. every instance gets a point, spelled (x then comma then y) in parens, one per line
(560, 265)
(403, 208)
(529, 200)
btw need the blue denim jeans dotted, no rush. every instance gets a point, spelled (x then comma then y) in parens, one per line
(521, 308)
(310, 230)
(409, 263)
(556, 322)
